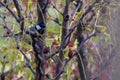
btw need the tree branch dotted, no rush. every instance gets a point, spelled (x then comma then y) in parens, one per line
(10, 10)
(18, 46)
(64, 32)
(38, 41)
(56, 8)
(21, 19)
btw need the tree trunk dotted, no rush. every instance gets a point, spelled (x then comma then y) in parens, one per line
(38, 41)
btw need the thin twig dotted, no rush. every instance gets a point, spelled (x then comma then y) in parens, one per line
(26, 58)
(68, 35)
(56, 20)
(74, 14)
(91, 35)
(10, 10)
(62, 69)
(18, 46)
(46, 5)
(56, 8)
(21, 18)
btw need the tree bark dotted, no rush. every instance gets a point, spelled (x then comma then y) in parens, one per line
(38, 41)
(64, 32)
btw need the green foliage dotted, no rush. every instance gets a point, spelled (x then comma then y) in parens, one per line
(12, 59)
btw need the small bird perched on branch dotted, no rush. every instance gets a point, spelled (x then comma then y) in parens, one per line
(40, 27)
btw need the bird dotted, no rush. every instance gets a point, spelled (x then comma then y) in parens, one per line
(40, 27)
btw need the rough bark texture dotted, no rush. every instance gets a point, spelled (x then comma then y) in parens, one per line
(81, 58)
(38, 42)
(64, 32)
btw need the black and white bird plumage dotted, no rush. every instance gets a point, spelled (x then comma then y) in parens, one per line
(40, 27)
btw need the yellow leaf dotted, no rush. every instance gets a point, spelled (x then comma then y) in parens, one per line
(107, 37)
(102, 28)
(95, 38)
(79, 13)
(29, 5)
(90, 60)
(89, 28)
(77, 16)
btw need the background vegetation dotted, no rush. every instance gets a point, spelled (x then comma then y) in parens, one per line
(78, 43)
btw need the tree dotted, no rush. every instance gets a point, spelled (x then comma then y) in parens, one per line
(69, 46)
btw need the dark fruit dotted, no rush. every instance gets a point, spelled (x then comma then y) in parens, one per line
(103, 10)
(7, 32)
(71, 44)
(66, 18)
(46, 50)
(54, 43)
(70, 54)
(2, 76)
